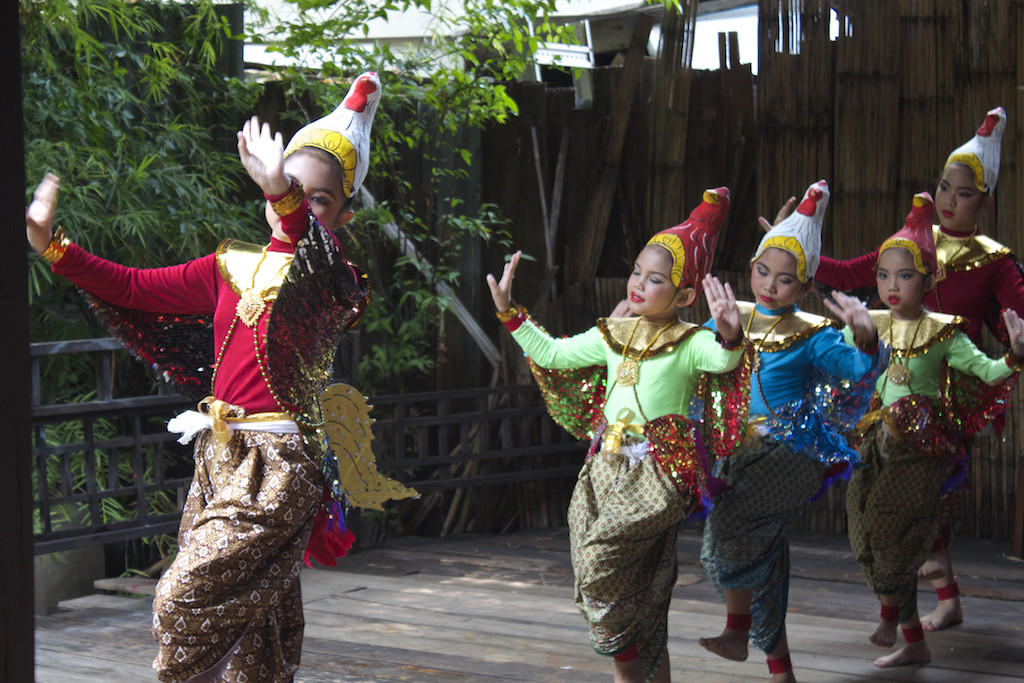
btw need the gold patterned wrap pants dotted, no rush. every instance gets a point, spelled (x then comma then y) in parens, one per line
(623, 521)
(892, 509)
(229, 608)
(745, 544)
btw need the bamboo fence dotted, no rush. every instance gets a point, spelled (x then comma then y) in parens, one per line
(874, 110)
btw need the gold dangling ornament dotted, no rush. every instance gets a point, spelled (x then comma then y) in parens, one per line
(898, 374)
(627, 374)
(250, 307)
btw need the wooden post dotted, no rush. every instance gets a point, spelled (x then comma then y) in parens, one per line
(1018, 517)
(587, 254)
(17, 625)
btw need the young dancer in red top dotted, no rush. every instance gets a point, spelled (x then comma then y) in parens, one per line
(260, 325)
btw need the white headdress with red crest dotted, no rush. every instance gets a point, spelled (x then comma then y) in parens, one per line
(799, 233)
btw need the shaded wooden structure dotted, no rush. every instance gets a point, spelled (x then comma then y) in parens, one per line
(875, 110)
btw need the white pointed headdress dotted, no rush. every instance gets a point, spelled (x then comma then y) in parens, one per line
(345, 132)
(799, 233)
(981, 153)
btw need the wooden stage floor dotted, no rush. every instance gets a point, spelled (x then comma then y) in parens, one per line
(499, 608)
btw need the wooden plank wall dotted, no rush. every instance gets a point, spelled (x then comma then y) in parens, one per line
(875, 112)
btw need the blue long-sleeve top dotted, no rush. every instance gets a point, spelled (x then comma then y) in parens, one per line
(789, 350)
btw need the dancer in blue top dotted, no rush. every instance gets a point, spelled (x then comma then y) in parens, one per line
(795, 446)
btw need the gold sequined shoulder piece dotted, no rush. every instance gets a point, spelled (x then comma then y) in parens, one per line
(236, 262)
(965, 254)
(781, 334)
(935, 328)
(616, 333)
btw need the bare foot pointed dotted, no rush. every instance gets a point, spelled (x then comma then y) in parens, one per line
(911, 653)
(730, 645)
(946, 613)
(933, 567)
(885, 634)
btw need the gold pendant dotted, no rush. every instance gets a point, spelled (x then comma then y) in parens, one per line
(898, 374)
(628, 372)
(250, 307)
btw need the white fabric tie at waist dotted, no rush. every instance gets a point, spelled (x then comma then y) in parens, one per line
(635, 452)
(191, 422)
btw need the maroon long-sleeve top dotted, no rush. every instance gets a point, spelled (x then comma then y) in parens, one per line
(198, 288)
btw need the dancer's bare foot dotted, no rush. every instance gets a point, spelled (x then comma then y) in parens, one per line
(946, 613)
(934, 567)
(911, 653)
(784, 677)
(730, 645)
(885, 634)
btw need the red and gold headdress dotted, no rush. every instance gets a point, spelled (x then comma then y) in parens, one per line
(691, 244)
(916, 235)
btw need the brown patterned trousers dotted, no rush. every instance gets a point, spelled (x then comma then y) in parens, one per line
(623, 522)
(229, 608)
(892, 509)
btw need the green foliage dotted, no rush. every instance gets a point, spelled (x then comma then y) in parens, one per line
(124, 101)
(437, 96)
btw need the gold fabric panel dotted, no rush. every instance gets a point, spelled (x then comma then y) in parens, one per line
(237, 262)
(793, 327)
(616, 333)
(934, 328)
(965, 254)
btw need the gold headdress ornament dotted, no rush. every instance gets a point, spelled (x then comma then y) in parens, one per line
(345, 132)
(800, 232)
(691, 244)
(981, 153)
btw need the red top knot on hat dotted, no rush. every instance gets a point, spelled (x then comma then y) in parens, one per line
(691, 244)
(916, 235)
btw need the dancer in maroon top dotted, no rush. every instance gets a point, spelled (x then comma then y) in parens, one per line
(260, 324)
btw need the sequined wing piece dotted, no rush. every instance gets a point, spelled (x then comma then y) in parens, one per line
(722, 402)
(179, 348)
(574, 398)
(347, 424)
(322, 296)
(966, 404)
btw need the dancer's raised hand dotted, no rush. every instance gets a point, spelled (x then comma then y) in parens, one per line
(39, 214)
(1015, 330)
(262, 155)
(722, 305)
(501, 290)
(852, 312)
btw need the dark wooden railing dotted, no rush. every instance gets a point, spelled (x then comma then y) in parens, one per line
(107, 470)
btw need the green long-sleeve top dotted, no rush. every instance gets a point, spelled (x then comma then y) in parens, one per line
(923, 345)
(670, 361)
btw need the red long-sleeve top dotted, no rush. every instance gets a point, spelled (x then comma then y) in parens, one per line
(965, 293)
(195, 287)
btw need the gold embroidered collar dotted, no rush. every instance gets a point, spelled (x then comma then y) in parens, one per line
(773, 333)
(237, 262)
(616, 332)
(934, 328)
(968, 252)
